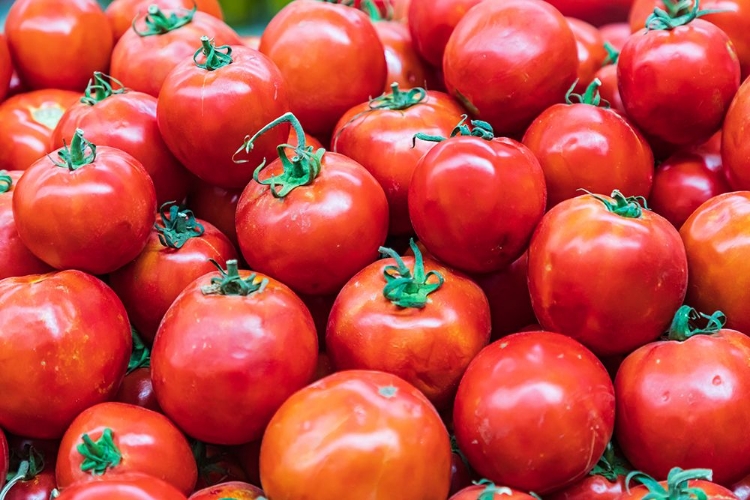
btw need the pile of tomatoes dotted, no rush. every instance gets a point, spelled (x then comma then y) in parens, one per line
(389, 250)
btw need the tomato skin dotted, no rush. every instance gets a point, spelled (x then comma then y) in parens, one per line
(216, 206)
(316, 422)
(542, 378)
(331, 59)
(713, 491)
(591, 51)
(508, 61)
(382, 141)
(122, 12)
(475, 492)
(341, 219)
(162, 53)
(222, 392)
(85, 338)
(581, 146)
(592, 487)
(237, 489)
(735, 151)
(404, 65)
(596, 12)
(460, 475)
(657, 65)
(123, 487)
(431, 23)
(39, 488)
(76, 37)
(503, 176)
(137, 389)
(616, 34)
(26, 125)
(6, 68)
(609, 90)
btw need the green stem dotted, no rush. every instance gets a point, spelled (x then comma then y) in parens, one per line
(23, 470)
(176, 226)
(630, 207)
(80, 153)
(100, 87)
(591, 96)
(215, 58)
(480, 129)
(677, 484)
(684, 324)
(612, 54)
(157, 23)
(100, 455)
(490, 490)
(397, 100)
(140, 357)
(405, 287)
(231, 283)
(610, 465)
(676, 15)
(6, 181)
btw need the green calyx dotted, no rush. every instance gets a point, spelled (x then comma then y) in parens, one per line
(79, 154)
(684, 324)
(158, 23)
(405, 287)
(6, 181)
(610, 466)
(231, 283)
(631, 207)
(677, 484)
(490, 490)
(176, 226)
(397, 100)
(591, 96)
(678, 13)
(300, 170)
(140, 357)
(612, 54)
(100, 455)
(479, 129)
(215, 57)
(25, 466)
(100, 87)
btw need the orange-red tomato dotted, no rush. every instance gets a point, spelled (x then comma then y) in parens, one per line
(123, 487)
(404, 65)
(235, 490)
(591, 51)
(122, 12)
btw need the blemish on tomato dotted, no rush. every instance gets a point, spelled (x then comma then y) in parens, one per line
(388, 391)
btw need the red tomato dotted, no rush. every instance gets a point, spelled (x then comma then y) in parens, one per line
(606, 481)
(609, 90)
(123, 487)
(534, 411)
(591, 51)
(179, 250)
(72, 346)
(34, 477)
(404, 65)
(584, 146)
(616, 34)
(431, 23)
(127, 121)
(137, 389)
(506, 62)
(15, 258)
(735, 149)
(217, 206)
(348, 425)
(110, 439)
(502, 177)
(331, 59)
(6, 68)
(596, 12)
(199, 93)
(37, 487)
(92, 211)
(122, 12)
(486, 490)
(58, 45)
(680, 484)
(234, 490)
(334, 209)
(262, 347)
(380, 136)
(146, 54)
(26, 125)
(460, 475)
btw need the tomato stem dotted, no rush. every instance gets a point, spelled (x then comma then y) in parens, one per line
(80, 153)
(398, 100)
(610, 466)
(490, 489)
(684, 324)
(215, 58)
(677, 14)
(6, 181)
(177, 226)
(677, 484)
(140, 357)
(231, 283)
(630, 207)
(591, 96)
(612, 54)
(480, 129)
(100, 455)
(23, 470)
(157, 23)
(99, 88)
(405, 287)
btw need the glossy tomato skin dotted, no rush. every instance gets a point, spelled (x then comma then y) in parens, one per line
(122, 12)
(38, 488)
(255, 351)
(475, 492)
(431, 23)
(137, 389)
(712, 490)
(77, 356)
(216, 206)
(382, 141)
(616, 34)
(582, 146)
(123, 487)
(234, 489)
(347, 425)
(6, 68)
(502, 176)
(142, 63)
(96, 218)
(534, 411)
(609, 90)
(404, 65)
(735, 151)
(76, 37)
(596, 12)
(193, 102)
(341, 219)
(506, 62)
(591, 51)
(26, 125)
(331, 59)
(657, 65)
(592, 487)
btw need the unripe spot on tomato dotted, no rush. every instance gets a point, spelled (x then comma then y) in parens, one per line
(388, 392)
(48, 116)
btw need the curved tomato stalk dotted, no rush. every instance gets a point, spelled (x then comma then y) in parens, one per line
(157, 23)
(100, 88)
(141, 355)
(100, 455)
(28, 469)
(409, 287)
(677, 484)
(231, 283)
(216, 57)
(613, 55)
(6, 181)
(591, 96)
(480, 129)
(79, 154)
(684, 323)
(177, 226)
(630, 207)
(610, 466)
(676, 15)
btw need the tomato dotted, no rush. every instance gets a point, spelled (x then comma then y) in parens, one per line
(487, 490)
(404, 65)
(591, 51)
(6, 68)
(147, 53)
(501, 175)
(506, 62)
(380, 136)
(200, 92)
(460, 473)
(92, 209)
(656, 77)
(15, 258)
(26, 125)
(58, 45)
(606, 481)
(123, 487)
(679, 484)
(235, 489)
(735, 151)
(431, 23)
(596, 12)
(122, 12)
(534, 411)
(329, 204)
(217, 206)
(257, 346)
(216, 465)
(348, 425)
(76, 356)
(32, 470)
(582, 146)
(616, 34)
(609, 90)
(37, 487)
(331, 59)
(137, 388)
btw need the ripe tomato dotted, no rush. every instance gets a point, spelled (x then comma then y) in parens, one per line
(122, 12)
(591, 51)
(694, 483)
(110, 439)
(404, 65)
(431, 23)
(137, 388)
(123, 487)
(596, 12)
(35, 485)
(501, 175)
(76, 357)
(200, 92)
(224, 387)
(735, 149)
(534, 411)
(506, 62)
(331, 59)
(611, 237)
(616, 34)
(606, 481)
(380, 136)
(15, 258)
(335, 210)
(127, 121)
(58, 45)
(26, 125)
(348, 425)
(217, 206)
(584, 146)
(92, 211)
(6, 68)
(162, 40)
(32, 470)
(460, 473)
(486, 490)
(179, 250)
(609, 90)
(234, 489)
